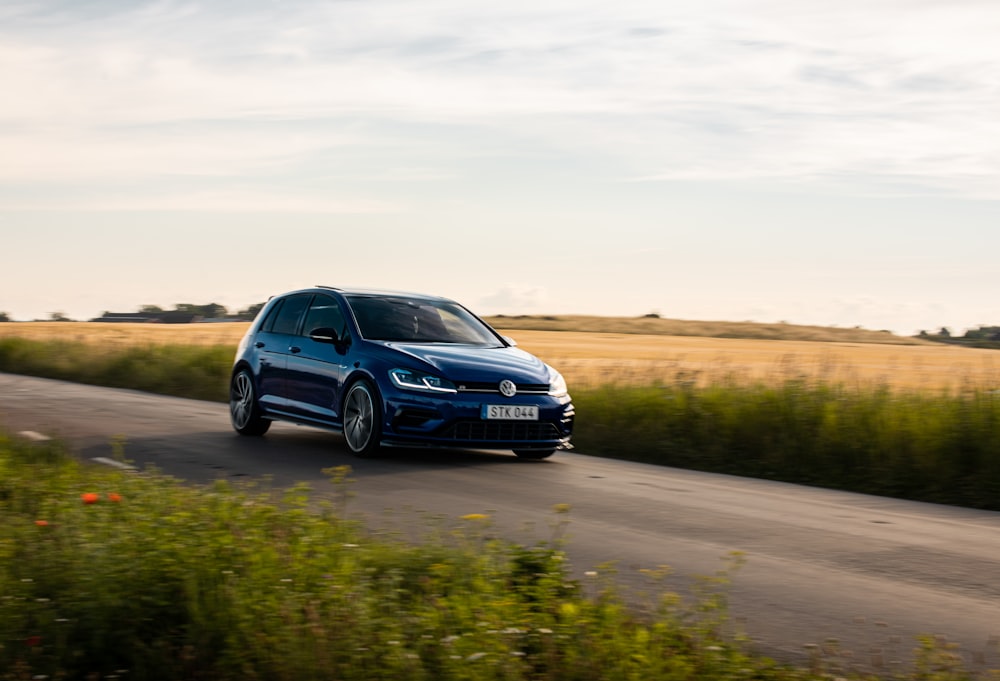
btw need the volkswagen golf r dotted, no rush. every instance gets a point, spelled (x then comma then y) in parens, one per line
(395, 369)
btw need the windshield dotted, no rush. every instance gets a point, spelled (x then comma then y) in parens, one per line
(414, 320)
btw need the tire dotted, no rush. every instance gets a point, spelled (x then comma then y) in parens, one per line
(534, 453)
(244, 411)
(362, 420)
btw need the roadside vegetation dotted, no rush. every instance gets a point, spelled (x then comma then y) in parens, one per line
(110, 574)
(939, 447)
(196, 371)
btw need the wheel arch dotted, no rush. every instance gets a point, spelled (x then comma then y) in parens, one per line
(244, 407)
(244, 364)
(239, 366)
(363, 381)
(362, 375)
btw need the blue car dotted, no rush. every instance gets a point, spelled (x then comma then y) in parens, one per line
(399, 369)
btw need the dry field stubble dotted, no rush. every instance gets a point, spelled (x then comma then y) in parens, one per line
(590, 359)
(593, 358)
(123, 335)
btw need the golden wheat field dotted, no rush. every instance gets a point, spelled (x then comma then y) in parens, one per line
(591, 358)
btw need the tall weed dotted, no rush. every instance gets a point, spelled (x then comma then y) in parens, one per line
(200, 372)
(942, 447)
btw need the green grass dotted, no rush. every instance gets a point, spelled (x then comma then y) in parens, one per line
(106, 574)
(931, 446)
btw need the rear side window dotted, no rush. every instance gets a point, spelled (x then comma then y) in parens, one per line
(285, 319)
(325, 313)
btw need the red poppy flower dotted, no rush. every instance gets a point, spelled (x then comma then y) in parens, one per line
(114, 497)
(42, 523)
(90, 498)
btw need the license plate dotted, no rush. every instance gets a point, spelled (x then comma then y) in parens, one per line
(508, 412)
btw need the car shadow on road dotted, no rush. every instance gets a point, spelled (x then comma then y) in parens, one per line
(323, 443)
(286, 454)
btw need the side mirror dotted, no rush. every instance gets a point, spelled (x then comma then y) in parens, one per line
(325, 334)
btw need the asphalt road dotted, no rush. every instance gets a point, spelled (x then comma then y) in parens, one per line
(866, 572)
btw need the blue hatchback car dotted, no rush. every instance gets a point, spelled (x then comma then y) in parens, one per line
(403, 369)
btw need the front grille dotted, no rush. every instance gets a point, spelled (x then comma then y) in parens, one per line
(494, 388)
(502, 431)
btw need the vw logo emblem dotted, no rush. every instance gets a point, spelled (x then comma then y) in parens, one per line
(507, 388)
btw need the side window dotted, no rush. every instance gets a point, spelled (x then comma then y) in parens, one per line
(286, 320)
(325, 313)
(267, 326)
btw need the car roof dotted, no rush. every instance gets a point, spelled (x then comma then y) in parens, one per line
(362, 291)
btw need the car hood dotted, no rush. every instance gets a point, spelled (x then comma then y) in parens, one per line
(471, 363)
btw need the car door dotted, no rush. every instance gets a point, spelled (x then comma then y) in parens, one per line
(316, 369)
(274, 342)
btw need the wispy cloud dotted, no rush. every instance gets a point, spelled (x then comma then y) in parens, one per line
(773, 89)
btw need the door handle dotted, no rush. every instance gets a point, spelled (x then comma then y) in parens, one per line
(295, 350)
(258, 344)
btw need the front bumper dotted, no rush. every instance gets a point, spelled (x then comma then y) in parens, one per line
(455, 421)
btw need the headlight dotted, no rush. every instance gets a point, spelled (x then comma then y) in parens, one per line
(419, 380)
(557, 384)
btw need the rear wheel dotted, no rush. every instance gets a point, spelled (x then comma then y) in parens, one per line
(362, 419)
(244, 412)
(534, 453)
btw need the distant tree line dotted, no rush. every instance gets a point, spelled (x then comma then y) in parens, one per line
(182, 313)
(982, 337)
(207, 311)
(191, 311)
(53, 317)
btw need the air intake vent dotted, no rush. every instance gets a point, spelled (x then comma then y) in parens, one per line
(503, 431)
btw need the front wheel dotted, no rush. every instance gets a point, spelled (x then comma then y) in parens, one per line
(534, 453)
(244, 412)
(362, 420)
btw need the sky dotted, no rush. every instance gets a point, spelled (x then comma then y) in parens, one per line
(805, 161)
